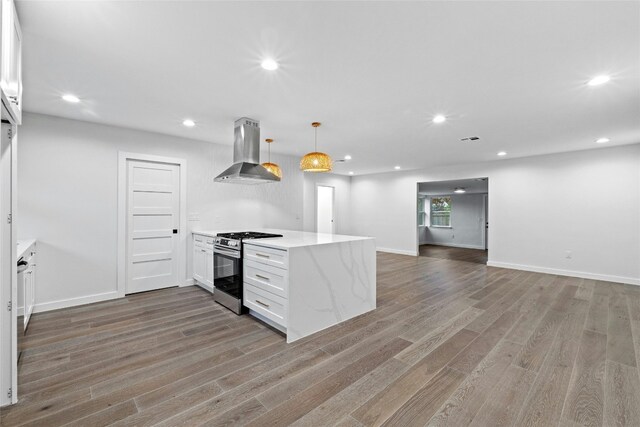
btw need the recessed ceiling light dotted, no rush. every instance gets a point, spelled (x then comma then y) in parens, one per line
(598, 80)
(189, 123)
(397, 167)
(71, 98)
(439, 118)
(347, 157)
(602, 140)
(459, 190)
(269, 64)
(502, 153)
(350, 172)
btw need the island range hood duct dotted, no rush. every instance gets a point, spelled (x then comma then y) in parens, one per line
(246, 168)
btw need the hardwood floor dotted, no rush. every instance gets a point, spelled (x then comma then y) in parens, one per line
(451, 343)
(477, 256)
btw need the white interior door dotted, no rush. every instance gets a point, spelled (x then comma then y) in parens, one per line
(153, 210)
(325, 209)
(8, 272)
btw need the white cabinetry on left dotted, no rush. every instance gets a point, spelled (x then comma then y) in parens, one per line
(29, 285)
(11, 61)
(203, 261)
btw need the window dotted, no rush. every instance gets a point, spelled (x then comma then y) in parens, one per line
(441, 211)
(422, 211)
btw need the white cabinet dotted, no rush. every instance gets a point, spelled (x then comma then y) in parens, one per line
(208, 267)
(203, 261)
(27, 282)
(271, 279)
(269, 256)
(198, 263)
(266, 284)
(29, 277)
(11, 57)
(271, 306)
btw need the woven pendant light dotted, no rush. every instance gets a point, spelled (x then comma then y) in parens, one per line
(272, 167)
(316, 161)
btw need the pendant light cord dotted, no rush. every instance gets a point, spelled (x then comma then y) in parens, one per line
(316, 139)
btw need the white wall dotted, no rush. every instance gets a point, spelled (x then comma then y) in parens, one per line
(467, 225)
(67, 199)
(539, 207)
(342, 185)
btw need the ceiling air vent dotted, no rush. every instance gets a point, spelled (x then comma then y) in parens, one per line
(470, 138)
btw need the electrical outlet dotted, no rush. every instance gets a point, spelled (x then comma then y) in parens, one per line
(568, 254)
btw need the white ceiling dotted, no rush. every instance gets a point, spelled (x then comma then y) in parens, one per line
(375, 73)
(471, 186)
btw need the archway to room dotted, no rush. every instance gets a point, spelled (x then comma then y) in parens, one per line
(453, 219)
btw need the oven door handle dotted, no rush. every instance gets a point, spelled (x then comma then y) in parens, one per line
(233, 254)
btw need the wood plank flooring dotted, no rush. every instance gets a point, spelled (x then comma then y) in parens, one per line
(477, 256)
(451, 343)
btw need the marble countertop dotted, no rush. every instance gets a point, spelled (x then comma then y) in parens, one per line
(23, 246)
(291, 238)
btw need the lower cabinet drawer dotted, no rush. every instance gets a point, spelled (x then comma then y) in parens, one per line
(269, 256)
(270, 306)
(263, 276)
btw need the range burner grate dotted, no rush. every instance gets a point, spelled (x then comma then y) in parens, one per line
(240, 235)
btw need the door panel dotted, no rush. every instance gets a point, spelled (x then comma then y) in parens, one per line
(325, 211)
(153, 196)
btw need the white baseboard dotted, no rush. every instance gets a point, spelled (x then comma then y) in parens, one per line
(454, 245)
(72, 302)
(397, 251)
(560, 272)
(188, 282)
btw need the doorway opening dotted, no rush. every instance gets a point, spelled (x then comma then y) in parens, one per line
(453, 219)
(325, 209)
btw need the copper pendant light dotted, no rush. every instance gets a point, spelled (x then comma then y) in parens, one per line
(272, 167)
(316, 161)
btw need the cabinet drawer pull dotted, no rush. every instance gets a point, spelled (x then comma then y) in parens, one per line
(262, 277)
(262, 304)
(262, 255)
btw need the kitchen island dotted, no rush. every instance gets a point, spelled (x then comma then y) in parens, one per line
(304, 282)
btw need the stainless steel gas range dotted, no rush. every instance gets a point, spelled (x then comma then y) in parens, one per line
(227, 267)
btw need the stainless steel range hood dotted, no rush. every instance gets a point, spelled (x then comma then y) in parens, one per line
(246, 168)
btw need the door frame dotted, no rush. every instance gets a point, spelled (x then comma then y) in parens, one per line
(123, 157)
(9, 291)
(333, 207)
(485, 220)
